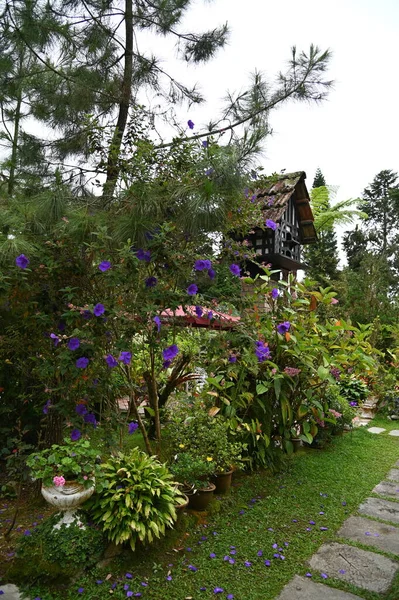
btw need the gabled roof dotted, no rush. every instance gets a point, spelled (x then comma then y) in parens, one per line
(277, 196)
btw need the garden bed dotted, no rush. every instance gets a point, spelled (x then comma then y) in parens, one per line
(230, 547)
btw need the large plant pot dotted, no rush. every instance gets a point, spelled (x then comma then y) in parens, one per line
(67, 498)
(201, 498)
(180, 508)
(222, 482)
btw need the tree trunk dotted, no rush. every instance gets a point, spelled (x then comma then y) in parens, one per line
(14, 151)
(114, 151)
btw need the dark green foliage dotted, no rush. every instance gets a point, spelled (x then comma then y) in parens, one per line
(50, 554)
(318, 180)
(353, 389)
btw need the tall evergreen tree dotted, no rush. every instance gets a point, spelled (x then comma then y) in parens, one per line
(319, 180)
(92, 72)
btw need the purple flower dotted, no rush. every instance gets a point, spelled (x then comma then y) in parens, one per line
(275, 293)
(323, 528)
(73, 344)
(99, 309)
(218, 590)
(46, 407)
(129, 594)
(125, 357)
(55, 337)
(132, 427)
(190, 124)
(199, 311)
(271, 224)
(171, 352)
(75, 435)
(22, 261)
(151, 282)
(201, 265)
(232, 358)
(312, 523)
(129, 576)
(324, 575)
(353, 403)
(248, 564)
(262, 351)
(143, 255)
(192, 568)
(27, 532)
(99, 581)
(82, 362)
(202, 589)
(260, 553)
(211, 274)
(283, 327)
(90, 418)
(267, 563)
(204, 144)
(104, 266)
(81, 590)
(308, 575)
(192, 289)
(210, 315)
(275, 546)
(87, 314)
(212, 555)
(81, 409)
(111, 361)
(235, 270)
(209, 172)
(166, 364)
(230, 597)
(342, 571)
(232, 561)
(157, 322)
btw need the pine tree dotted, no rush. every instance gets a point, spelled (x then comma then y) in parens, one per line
(319, 180)
(92, 72)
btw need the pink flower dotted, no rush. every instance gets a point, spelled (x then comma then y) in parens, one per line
(334, 301)
(59, 481)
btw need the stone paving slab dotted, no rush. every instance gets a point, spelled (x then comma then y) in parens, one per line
(302, 588)
(393, 474)
(372, 533)
(380, 509)
(387, 488)
(376, 429)
(394, 432)
(10, 592)
(366, 570)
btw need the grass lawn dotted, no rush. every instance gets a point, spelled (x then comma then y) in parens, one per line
(254, 540)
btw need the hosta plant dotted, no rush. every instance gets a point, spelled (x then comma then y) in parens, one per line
(136, 498)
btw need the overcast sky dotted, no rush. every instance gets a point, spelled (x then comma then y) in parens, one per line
(351, 136)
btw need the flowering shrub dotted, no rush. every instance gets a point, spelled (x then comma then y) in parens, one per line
(287, 357)
(191, 471)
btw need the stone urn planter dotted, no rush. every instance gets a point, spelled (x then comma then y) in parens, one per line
(67, 499)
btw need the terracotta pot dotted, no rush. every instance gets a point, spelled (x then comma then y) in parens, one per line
(222, 482)
(180, 508)
(201, 498)
(296, 443)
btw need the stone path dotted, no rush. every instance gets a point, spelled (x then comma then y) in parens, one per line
(364, 569)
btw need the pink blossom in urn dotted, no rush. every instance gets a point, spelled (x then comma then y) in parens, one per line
(59, 481)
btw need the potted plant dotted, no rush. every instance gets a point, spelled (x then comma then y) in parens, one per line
(194, 430)
(193, 473)
(68, 474)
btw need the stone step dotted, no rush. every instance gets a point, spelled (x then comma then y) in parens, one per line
(303, 588)
(364, 569)
(387, 488)
(371, 533)
(10, 592)
(380, 509)
(376, 430)
(394, 432)
(393, 475)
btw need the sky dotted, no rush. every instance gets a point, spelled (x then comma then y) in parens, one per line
(354, 133)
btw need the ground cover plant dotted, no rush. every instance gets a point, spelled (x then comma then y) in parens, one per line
(259, 537)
